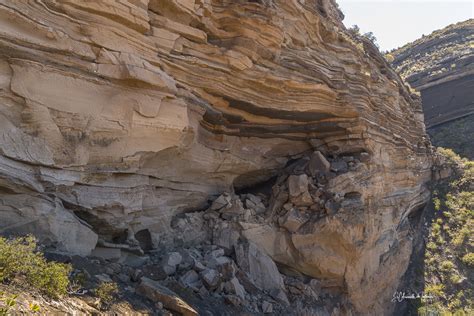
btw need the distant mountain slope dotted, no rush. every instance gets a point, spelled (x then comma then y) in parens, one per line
(441, 67)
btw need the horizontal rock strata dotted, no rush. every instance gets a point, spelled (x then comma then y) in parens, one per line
(441, 67)
(122, 120)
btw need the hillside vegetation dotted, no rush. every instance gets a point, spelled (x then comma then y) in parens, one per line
(449, 256)
(455, 135)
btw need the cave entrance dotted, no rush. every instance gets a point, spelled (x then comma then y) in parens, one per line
(415, 216)
(144, 239)
(264, 186)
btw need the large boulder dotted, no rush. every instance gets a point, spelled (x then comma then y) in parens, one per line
(298, 189)
(170, 300)
(259, 266)
(48, 220)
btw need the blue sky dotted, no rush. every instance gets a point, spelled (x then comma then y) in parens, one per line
(397, 22)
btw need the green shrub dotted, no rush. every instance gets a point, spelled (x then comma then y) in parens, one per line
(449, 153)
(454, 304)
(435, 229)
(106, 292)
(447, 266)
(461, 236)
(51, 278)
(450, 237)
(389, 57)
(431, 245)
(440, 240)
(455, 278)
(468, 259)
(435, 289)
(20, 260)
(9, 302)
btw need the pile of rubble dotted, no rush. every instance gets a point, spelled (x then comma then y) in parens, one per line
(299, 193)
(247, 280)
(252, 281)
(224, 265)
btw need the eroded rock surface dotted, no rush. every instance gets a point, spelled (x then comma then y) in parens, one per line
(130, 117)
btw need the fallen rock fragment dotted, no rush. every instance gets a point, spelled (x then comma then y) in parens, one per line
(280, 295)
(318, 163)
(298, 189)
(255, 203)
(170, 261)
(259, 266)
(154, 272)
(339, 166)
(211, 278)
(158, 293)
(190, 278)
(107, 253)
(234, 287)
(267, 308)
(225, 237)
(293, 220)
(233, 300)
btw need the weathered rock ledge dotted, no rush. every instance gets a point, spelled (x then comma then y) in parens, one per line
(120, 119)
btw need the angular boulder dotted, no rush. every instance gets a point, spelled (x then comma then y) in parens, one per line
(298, 189)
(318, 163)
(47, 220)
(158, 293)
(292, 220)
(259, 266)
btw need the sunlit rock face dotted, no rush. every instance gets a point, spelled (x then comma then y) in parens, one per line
(117, 117)
(441, 67)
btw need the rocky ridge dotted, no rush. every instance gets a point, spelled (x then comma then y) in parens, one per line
(441, 67)
(122, 123)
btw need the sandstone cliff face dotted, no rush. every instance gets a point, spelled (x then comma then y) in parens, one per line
(441, 67)
(121, 118)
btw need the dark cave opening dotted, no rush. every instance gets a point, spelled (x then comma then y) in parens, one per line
(264, 187)
(144, 239)
(414, 217)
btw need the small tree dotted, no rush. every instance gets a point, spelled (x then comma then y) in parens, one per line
(107, 292)
(371, 37)
(354, 29)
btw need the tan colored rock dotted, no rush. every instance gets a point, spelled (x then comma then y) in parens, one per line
(292, 220)
(298, 189)
(188, 32)
(127, 114)
(158, 293)
(318, 163)
(260, 267)
(46, 219)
